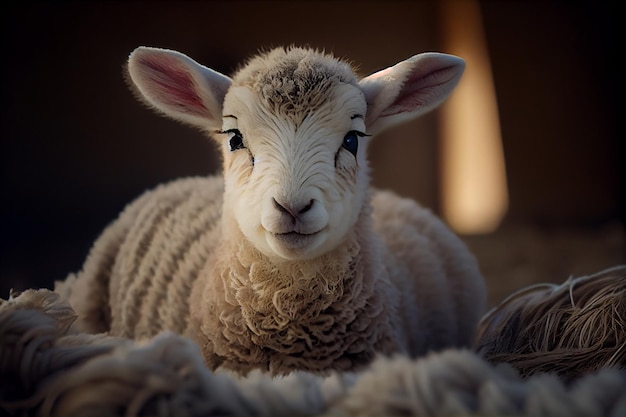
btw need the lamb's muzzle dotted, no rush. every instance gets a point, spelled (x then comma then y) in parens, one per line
(294, 228)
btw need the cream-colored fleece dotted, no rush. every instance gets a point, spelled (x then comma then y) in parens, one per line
(401, 284)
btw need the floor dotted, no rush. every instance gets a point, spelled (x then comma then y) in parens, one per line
(515, 256)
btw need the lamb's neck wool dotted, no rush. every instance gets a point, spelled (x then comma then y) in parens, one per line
(326, 313)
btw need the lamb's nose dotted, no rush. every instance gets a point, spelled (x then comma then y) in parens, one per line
(294, 212)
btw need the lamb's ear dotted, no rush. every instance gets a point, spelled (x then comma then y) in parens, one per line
(178, 86)
(409, 88)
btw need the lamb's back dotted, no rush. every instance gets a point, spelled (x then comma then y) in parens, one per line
(138, 276)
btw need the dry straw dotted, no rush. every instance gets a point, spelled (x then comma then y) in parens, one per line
(569, 329)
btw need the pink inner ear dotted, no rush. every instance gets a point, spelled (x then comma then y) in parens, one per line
(172, 84)
(421, 89)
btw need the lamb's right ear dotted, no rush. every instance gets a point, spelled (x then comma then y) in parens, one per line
(178, 86)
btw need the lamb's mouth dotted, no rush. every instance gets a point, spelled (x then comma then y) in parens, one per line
(295, 240)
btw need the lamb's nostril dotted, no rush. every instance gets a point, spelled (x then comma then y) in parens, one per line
(284, 208)
(306, 208)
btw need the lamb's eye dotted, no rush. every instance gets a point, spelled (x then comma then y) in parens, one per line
(351, 141)
(235, 139)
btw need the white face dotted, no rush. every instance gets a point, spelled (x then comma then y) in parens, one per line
(295, 188)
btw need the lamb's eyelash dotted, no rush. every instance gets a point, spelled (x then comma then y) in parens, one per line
(224, 132)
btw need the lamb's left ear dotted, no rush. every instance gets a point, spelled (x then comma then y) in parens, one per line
(409, 88)
(178, 86)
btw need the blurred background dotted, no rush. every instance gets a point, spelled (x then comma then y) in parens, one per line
(523, 162)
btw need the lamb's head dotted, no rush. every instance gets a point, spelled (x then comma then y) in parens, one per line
(294, 126)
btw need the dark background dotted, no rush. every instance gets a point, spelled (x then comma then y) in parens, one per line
(76, 146)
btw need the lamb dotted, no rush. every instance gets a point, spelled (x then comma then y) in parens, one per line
(290, 260)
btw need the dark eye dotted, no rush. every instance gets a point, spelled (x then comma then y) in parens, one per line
(351, 142)
(235, 139)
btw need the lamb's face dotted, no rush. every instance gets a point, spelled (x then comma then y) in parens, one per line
(292, 125)
(295, 182)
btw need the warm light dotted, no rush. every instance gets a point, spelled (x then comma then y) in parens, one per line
(473, 178)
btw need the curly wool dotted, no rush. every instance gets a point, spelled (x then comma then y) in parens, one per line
(316, 315)
(294, 81)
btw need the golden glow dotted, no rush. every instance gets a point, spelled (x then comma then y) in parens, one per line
(474, 196)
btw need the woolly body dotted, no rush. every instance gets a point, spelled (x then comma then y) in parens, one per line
(291, 261)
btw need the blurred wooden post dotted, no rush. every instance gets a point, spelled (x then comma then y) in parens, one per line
(474, 196)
